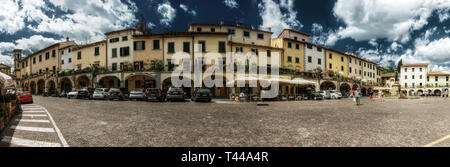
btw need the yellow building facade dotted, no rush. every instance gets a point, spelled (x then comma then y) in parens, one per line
(88, 55)
(337, 62)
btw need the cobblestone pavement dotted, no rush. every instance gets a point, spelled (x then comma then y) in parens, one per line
(280, 124)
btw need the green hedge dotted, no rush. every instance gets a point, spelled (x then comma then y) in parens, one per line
(7, 98)
(4, 109)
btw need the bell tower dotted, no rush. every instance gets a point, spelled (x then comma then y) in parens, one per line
(17, 58)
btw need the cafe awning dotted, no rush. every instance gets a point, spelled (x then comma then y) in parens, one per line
(301, 81)
(6, 80)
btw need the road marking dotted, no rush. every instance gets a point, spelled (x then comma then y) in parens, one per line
(33, 129)
(25, 111)
(61, 137)
(28, 143)
(33, 115)
(33, 120)
(437, 141)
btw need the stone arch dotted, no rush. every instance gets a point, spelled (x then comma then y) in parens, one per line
(345, 89)
(26, 86)
(33, 87)
(327, 85)
(82, 81)
(420, 92)
(51, 87)
(411, 92)
(355, 86)
(40, 86)
(140, 81)
(109, 81)
(437, 92)
(65, 84)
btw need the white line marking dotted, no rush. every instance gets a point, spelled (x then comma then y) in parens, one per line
(25, 111)
(61, 137)
(33, 120)
(33, 129)
(28, 143)
(33, 115)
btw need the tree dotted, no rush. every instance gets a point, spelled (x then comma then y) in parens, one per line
(399, 65)
(142, 25)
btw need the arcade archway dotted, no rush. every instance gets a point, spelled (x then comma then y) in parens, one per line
(66, 85)
(109, 82)
(83, 81)
(327, 85)
(41, 86)
(345, 89)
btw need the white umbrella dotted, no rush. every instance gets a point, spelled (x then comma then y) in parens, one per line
(6, 80)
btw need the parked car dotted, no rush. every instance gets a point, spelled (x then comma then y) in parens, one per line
(72, 94)
(25, 97)
(86, 93)
(325, 94)
(202, 94)
(174, 93)
(334, 94)
(138, 94)
(120, 94)
(315, 96)
(155, 94)
(63, 94)
(100, 93)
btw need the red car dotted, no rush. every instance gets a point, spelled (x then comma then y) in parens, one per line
(25, 97)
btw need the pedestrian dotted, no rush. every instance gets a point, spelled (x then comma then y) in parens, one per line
(357, 96)
(242, 96)
(371, 94)
(380, 95)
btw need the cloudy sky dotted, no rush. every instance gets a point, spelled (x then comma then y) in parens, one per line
(418, 31)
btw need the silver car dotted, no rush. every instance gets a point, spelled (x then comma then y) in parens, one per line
(72, 94)
(138, 94)
(100, 93)
(334, 94)
(325, 94)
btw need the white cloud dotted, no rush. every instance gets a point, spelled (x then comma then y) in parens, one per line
(436, 51)
(318, 34)
(231, 3)
(186, 9)
(278, 16)
(444, 14)
(395, 46)
(167, 13)
(383, 19)
(373, 42)
(79, 19)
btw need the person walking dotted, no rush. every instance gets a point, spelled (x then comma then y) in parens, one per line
(380, 95)
(357, 96)
(371, 94)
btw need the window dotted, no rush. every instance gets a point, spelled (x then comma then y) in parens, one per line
(446, 78)
(121, 66)
(289, 59)
(360, 72)
(213, 30)
(62, 61)
(97, 51)
(406, 69)
(170, 65)
(203, 44)
(222, 47)
(428, 78)
(255, 51)
(342, 68)
(231, 31)
(360, 63)
(269, 53)
(124, 51)
(260, 36)
(309, 46)
(46, 69)
(319, 49)
(297, 60)
(309, 59)
(47, 55)
(342, 59)
(70, 50)
(114, 66)
(330, 56)
(436, 85)
(406, 77)
(297, 46)
(125, 38)
(114, 53)
(139, 45)
(239, 49)
(413, 69)
(295, 38)
(413, 77)
(420, 84)
(79, 55)
(171, 47)
(413, 84)
(350, 69)
(365, 73)
(112, 40)
(186, 47)
(330, 66)
(436, 78)
(40, 71)
(289, 45)
(54, 68)
(62, 52)
(350, 60)
(420, 69)
(40, 58)
(319, 61)
(155, 44)
(199, 29)
(406, 85)
(247, 34)
(53, 53)
(70, 60)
